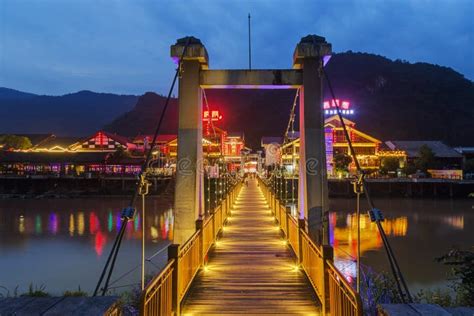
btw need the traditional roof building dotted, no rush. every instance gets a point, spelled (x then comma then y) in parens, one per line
(103, 141)
(447, 157)
(367, 148)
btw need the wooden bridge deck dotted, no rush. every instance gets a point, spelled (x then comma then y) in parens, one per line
(251, 270)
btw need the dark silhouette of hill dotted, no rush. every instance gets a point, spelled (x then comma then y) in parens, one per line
(77, 114)
(392, 100)
(142, 119)
(399, 100)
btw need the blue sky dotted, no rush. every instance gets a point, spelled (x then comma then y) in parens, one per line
(122, 46)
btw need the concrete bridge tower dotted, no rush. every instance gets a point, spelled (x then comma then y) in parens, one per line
(306, 74)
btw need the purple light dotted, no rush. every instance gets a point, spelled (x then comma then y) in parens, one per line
(259, 87)
(326, 59)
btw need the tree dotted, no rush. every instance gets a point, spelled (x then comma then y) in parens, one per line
(462, 271)
(15, 142)
(389, 164)
(341, 162)
(469, 166)
(426, 159)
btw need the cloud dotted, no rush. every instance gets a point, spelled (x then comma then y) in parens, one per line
(56, 47)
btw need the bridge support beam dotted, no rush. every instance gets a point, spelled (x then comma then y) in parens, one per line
(313, 192)
(189, 181)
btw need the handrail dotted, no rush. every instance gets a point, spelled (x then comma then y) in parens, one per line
(208, 235)
(292, 234)
(343, 299)
(163, 295)
(157, 294)
(188, 263)
(312, 262)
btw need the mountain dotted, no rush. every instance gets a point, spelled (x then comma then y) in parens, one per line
(397, 100)
(392, 100)
(77, 114)
(142, 119)
(247, 111)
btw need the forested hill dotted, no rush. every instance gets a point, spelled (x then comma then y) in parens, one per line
(399, 100)
(74, 114)
(392, 100)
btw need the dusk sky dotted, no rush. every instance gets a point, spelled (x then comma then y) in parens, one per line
(56, 46)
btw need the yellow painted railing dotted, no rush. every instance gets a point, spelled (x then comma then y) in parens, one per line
(163, 295)
(189, 262)
(292, 233)
(312, 262)
(157, 298)
(207, 235)
(337, 296)
(343, 299)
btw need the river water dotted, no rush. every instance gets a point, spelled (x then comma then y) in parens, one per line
(63, 244)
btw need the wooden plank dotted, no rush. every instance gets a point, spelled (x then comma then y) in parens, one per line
(251, 271)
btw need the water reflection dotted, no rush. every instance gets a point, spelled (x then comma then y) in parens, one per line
(419, 232)
(101, 226)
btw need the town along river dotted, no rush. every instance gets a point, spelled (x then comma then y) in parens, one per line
(64, 243)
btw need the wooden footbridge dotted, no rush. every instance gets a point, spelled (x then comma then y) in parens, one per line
(250, 257)
(247, 254)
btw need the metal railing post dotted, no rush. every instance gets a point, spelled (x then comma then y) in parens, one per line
(199, 226)
(301, 228)
(328, 255)
(173, 253)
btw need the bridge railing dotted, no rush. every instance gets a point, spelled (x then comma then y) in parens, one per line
(337, 296)
(157, 297)
(164, 293)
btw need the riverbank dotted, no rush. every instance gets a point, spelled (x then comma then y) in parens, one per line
(53, 187)
(63, 188)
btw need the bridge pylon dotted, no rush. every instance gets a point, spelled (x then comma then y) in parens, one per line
(189, 201)
(310, 55)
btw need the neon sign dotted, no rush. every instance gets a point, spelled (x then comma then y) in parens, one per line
(330, 107)
(215, 116)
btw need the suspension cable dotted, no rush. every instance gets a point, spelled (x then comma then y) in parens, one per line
(125, 219)
(220, 149)
(291, 121)
(361, 178)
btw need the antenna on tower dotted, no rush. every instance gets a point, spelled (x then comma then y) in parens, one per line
(250, 48)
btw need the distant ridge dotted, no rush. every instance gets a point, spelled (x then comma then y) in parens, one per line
(392, 100)
(73, 114)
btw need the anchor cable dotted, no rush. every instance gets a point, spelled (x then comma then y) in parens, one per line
(116, 247)
(391, 257)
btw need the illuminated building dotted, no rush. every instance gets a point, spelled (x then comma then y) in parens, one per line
(103, 141)
(367, 148)
(448, 160)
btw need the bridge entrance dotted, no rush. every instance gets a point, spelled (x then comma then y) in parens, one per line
(308, 58)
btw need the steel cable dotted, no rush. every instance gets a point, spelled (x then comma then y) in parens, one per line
(391, 257)
(116, 247)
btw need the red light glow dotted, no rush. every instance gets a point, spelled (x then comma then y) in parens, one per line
(215, 116)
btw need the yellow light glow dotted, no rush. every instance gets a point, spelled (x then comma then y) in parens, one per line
(71, 225)
(80, 223)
